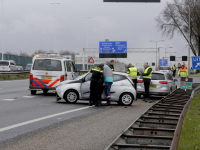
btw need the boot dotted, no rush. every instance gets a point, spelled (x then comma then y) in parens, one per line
(90, 103)
(97, 104)
(108, 103)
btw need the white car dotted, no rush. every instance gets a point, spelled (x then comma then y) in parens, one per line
(8, 65)
(122, 90)
(165, 69)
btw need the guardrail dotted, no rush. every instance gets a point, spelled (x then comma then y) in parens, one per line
(14, 73)
(159, 127)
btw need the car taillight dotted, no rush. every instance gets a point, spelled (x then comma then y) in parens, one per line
(9, 66)
(62, 78)
(163, 82)
(159, 68)
(31, 76)
(140, 81)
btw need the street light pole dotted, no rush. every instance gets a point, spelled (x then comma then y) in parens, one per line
(2, 44)
(55, 37)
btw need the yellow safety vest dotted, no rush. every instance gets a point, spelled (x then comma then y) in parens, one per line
(174, 67)
(97, 69)
(150, 75)
(132, 71)
(183, 73)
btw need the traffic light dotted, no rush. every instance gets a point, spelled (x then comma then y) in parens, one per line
(172, 58)
(184, 58)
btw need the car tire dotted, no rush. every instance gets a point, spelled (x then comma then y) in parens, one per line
(126, 99)
(71, 96)
(33, 92)
(45, 91)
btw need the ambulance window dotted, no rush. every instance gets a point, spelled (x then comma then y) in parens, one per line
(69, 69)
(73, 66)
(47, 65)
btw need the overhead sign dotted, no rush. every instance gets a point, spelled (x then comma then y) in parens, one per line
(112, 49)
(196, 62)
(186, 83)
(144, 1)
(163, 62)
(91, 60)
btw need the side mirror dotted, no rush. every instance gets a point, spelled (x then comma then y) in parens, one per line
(175, 80)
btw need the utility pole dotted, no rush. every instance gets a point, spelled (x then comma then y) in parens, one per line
(2, 44)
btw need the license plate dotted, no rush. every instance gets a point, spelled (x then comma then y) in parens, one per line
(3, 68)
(46, 77)
(154, 86)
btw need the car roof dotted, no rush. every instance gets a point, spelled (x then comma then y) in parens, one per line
(160, 72)
(120, 73)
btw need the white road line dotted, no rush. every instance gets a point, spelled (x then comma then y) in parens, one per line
(8, 99)
(28, 96)
(42, 118)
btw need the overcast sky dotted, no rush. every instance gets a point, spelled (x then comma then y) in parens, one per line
(29, 25)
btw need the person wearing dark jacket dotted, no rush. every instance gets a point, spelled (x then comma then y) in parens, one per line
(147, 79)
(97, 77)
(112, 62)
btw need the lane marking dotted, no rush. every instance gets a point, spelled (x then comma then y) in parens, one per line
(42, 118)
(28, 96)
(8, 99)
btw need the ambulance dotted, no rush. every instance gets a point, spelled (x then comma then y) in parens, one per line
(48, 70)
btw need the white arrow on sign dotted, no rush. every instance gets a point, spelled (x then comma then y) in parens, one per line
(113, 50)
(198, 64)
(125, 51)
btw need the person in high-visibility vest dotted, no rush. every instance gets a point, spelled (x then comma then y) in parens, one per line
(183, 72)
(133, 73)
(185, 66)
(174, 70)
(147, 79)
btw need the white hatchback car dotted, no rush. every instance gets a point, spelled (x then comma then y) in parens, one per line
(8, 65)
(122, 90)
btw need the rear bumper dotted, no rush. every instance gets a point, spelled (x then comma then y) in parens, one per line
(41, 88)
(162, 91)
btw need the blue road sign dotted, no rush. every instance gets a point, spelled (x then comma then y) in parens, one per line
(164, 63)
(195, 62)
(113, 47)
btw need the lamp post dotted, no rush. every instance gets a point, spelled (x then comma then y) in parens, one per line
(87, 28)
(2, 44)
(55, 38)
(156, 50)
(189, 35)
(166, 49)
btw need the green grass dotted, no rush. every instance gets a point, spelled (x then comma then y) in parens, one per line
(190, 135)
(14, 77)
(194, 75)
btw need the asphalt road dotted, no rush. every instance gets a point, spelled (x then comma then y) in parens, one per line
(39, 122)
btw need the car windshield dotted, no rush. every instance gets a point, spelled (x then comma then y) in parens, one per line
(47, 65)
(4, 63)
(156, 76)
(164, 68)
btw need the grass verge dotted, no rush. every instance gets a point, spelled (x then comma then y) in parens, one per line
(195, 75)
(190, 134)
(14, 77)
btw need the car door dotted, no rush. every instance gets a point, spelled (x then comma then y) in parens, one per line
(170, 81)
(12, 66)
(85, 86)
(68, 70)
(74, 71)
(118, 86)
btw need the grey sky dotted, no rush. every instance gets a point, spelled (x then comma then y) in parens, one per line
(29, 25)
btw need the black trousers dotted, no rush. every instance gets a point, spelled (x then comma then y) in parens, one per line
(94, 91)
(135, 84)
(174, 73)
(146, 87)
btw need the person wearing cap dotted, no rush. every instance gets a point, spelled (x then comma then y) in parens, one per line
(147, 79)
(133, 73)
(183, 72)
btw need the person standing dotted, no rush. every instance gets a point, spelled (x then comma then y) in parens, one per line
(147, 79)
(174, 70)
(97, 76)
(133, 73)
(108, 79)
(185, 66)
(112, 62)
(183, 72)
(179, 66)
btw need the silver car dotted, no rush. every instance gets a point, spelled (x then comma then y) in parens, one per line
(8, 65)
(162, 84)
(165, 69)
(122, 90)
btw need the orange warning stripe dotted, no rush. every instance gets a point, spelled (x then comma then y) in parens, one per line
(54, 83)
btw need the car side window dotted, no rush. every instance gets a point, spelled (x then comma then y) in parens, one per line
(68, 66)
(88, 77)
(12, 63)
(170, 77)
(118, 77)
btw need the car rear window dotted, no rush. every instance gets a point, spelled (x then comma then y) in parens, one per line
(47, 65)
(163, 68)
(4, 63)
(156, 76)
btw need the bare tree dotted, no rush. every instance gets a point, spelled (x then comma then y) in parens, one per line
(24, 54)
(175, 19)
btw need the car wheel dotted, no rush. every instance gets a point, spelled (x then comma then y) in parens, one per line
(126, 99)
(45, 91)
(71, 96)
(33, 92)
